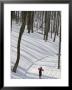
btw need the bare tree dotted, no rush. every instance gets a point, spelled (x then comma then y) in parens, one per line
(42, 20)
(32, 20)
(55, 26)
(17, 17)
(12, 17)
(24, 14)
(51, 23)
(29, 21)
(47, 25)
(59, 41)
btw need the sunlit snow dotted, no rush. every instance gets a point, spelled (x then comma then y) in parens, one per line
(34, 52)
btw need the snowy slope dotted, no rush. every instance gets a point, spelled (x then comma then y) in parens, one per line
(34, 52)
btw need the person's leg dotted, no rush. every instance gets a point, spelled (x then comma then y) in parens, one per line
(40, 74)
(39, 77)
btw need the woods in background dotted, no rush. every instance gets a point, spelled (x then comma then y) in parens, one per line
(45, 22)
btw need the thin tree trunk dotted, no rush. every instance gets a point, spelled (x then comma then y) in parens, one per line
(59, 45)
(11, 19)
(29, 21)
(16, 17)
(55, 27)
(32, 20)
(54, 37)
(45, 26)
(51, 29)
(42, 21)
(59, 51)
(58, 22)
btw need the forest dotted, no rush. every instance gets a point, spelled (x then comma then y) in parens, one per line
(45, 23)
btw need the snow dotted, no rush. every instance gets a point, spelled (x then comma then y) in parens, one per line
(34, 52)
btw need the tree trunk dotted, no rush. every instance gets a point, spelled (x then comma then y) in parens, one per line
(47, 25)
(19, 41)
(51, 29)
(29, 22)
(32, 20)
(18, 47)
(59, 46)
(42, 21)
(54, 36)
(11, 19)
(55, 27)
(51, 23)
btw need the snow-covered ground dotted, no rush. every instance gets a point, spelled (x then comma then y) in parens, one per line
(34, 52)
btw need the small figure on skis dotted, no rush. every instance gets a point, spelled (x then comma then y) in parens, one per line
(40, 72)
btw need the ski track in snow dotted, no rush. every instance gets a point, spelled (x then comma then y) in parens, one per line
(34, 52)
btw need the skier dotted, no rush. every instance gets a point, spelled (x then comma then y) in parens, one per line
(40, 72)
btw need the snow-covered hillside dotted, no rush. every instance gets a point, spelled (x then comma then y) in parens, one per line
(34, 52)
